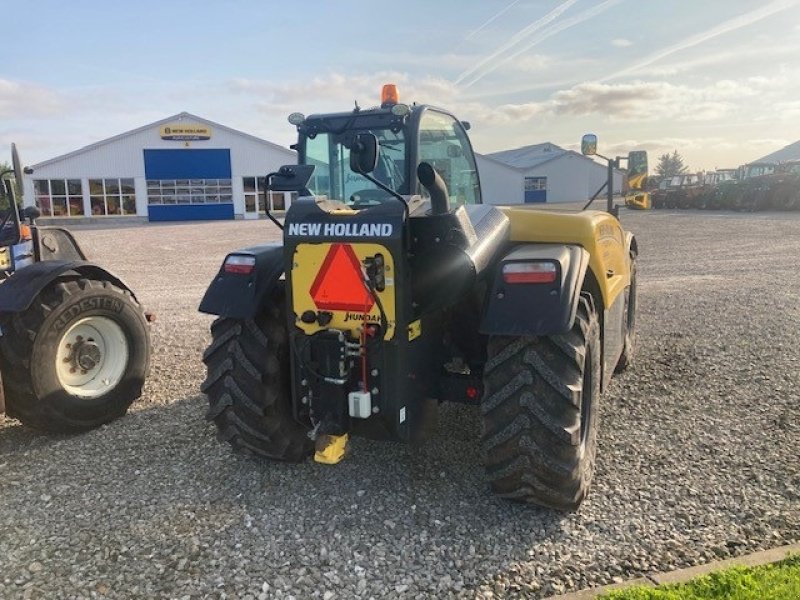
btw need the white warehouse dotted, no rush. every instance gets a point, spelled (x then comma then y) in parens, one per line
(541, 173)
(183, 167)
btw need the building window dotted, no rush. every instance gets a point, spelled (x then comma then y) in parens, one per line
(254, 188)
(255, 195)
(189, 191)
(112, 197)
(534, 184)
(59, 197)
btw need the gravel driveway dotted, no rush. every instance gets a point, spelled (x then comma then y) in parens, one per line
(698, 452)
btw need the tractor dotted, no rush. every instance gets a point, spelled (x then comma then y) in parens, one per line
(74, 342)
(396, 287)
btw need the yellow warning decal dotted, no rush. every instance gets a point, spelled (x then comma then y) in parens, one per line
(414, 330)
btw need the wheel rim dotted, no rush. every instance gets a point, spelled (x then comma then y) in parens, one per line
(92, 357)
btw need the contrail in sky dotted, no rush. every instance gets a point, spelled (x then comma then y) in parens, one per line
(554, 29)
(474, 32)
(516, 38)
(726, 27)
(477, 73)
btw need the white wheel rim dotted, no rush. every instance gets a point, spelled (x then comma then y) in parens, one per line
(92, 357)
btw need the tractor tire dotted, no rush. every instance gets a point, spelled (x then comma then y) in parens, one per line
(629, 347)
(540, 413)
(249, 388)
(76, 358)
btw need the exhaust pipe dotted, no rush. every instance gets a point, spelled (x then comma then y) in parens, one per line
(440, 201)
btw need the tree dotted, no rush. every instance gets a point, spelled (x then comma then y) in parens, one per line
(5, 202)
(670, 165)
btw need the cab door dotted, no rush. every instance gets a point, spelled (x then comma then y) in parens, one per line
(443, 143)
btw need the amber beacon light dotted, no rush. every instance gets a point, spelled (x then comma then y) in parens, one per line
(389, 94)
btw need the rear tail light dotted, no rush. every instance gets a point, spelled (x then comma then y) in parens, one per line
(530, 272)
(239, 264)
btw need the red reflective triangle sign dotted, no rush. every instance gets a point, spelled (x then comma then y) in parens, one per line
(339, 285)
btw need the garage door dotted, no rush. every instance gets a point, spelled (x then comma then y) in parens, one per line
(188, 185)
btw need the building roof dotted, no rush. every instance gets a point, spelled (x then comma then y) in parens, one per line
(182, 116)
(535, 155)
(528, 156)
(490, 158)
(790, 152)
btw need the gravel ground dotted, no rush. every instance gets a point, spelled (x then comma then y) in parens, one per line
(697, 457)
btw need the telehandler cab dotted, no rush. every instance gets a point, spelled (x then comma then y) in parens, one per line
(395, 284)
(74, 342)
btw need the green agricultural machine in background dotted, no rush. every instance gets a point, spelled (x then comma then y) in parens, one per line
(74, 342)
(395, 288)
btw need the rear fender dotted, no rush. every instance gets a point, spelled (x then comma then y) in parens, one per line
(18, 292)
(537, 308)
(57, 243)
(240, 296)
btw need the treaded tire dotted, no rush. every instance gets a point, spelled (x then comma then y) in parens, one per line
(626, 359)
(248, 386)
(540, 412)
(28, 356)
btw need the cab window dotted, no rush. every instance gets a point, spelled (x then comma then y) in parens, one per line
(443, 143)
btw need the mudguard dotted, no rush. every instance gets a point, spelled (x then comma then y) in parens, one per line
(57, 243)
(537, 308)
(18, 291)
(239, 296)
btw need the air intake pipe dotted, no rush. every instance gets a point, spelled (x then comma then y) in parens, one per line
(440, 201)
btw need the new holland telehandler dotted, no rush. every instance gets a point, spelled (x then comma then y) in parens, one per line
(74, 342)
(395, 285)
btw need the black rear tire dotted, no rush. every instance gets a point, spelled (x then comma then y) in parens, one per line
(249, 389)
(540, 413)
(29, 356)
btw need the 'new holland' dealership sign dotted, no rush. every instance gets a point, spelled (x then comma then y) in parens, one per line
(185, 133)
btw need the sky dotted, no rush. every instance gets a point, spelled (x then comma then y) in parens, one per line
(718, 81)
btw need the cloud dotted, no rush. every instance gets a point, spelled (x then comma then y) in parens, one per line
(643, 101)
(338, 91)
(658, 100)
(621, 42)
(726, 27)
(19, 99)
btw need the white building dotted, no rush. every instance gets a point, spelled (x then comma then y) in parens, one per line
(180, 168)
(185, 167)
(541, 173)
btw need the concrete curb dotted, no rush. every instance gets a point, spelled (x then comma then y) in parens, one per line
(681, 575)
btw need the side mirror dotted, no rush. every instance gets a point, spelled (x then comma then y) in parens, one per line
(454, 151)
(364, 153)
(290, 178)
(589, 144)
(31, 213)
(16, 164)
